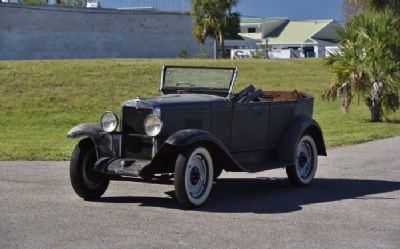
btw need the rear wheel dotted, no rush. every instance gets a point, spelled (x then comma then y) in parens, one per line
(306, 160)
(193, 180)
(86, 183)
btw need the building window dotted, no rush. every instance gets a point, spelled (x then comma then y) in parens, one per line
(251, 30)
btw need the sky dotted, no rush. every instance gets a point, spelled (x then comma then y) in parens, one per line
(293, 9)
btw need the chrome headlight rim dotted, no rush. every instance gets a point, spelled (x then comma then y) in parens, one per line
(145, 125)
(103, 122)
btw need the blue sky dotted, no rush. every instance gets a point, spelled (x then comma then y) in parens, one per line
(293, 9)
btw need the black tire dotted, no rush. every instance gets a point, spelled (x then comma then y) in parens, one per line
(86, 183)
(193, 179)
(306, 161)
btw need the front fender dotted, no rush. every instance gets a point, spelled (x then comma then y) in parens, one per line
(190, 136)
(94, 131)
(91, 130)
(296, 129)
(219, 152)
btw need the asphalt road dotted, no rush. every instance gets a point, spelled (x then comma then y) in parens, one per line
(353, 203)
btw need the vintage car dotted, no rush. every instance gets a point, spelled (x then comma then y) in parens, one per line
(194, 130)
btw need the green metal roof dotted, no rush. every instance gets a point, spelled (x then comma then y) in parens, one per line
(268, 26)
(284, 31)
(299, 32)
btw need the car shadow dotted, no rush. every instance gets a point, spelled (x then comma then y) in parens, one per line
(270, 195)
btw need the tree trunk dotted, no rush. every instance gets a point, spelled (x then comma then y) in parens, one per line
(345, 91)
(375, 111)
(221, 45)
(375, 104)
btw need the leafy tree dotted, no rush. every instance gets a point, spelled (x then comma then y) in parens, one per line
(393, 5)
(368, 63)
(354, 7)
(214, 18)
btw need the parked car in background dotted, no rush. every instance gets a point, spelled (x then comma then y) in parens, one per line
(194, 130)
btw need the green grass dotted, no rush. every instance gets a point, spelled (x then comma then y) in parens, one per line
(42, 100)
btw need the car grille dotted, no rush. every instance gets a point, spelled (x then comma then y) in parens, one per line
(132, 123)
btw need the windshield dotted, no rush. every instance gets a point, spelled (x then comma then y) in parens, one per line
(197, 79)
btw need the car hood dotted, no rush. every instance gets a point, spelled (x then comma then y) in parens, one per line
(173, 99)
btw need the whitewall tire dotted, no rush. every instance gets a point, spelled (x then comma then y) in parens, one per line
(305, 162)
(194, 174)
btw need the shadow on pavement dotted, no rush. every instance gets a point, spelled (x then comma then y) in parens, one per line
(265, 195)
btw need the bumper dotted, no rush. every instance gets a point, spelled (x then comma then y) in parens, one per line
(121, 166)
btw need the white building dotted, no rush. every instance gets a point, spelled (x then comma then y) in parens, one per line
(284, 38)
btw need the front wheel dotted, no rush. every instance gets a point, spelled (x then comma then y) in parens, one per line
(306, 160)
(86, 183)
(194, 174)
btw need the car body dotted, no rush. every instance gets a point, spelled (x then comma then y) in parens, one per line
(194, 130)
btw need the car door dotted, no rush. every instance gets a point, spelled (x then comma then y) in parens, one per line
(221, 121)
(249, 126)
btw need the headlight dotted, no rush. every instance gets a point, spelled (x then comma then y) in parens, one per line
(109, 121)
(152, 125)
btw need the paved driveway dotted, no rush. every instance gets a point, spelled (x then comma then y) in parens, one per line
(353, 203)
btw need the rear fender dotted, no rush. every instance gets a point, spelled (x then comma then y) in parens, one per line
(296, 129)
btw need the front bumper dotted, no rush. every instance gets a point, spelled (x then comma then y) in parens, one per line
(121, 166)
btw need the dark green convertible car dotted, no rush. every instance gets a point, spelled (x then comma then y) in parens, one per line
(194, 130)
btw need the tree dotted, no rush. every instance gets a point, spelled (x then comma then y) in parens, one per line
(214, 18)
(380, 5)
(352, 8)
(368, 63)
(355, 7)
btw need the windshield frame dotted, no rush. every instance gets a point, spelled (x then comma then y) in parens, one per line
(207, 90)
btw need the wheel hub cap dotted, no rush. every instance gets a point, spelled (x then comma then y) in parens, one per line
(304, 162)
(196, 176)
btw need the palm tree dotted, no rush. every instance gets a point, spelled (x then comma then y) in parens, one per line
(214, 18)
(393, 5)
(352, 7)
(368, 63)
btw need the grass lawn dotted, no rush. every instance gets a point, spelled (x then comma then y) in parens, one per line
(42, 100)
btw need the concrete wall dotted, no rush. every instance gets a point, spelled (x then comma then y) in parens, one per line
(39, 32)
